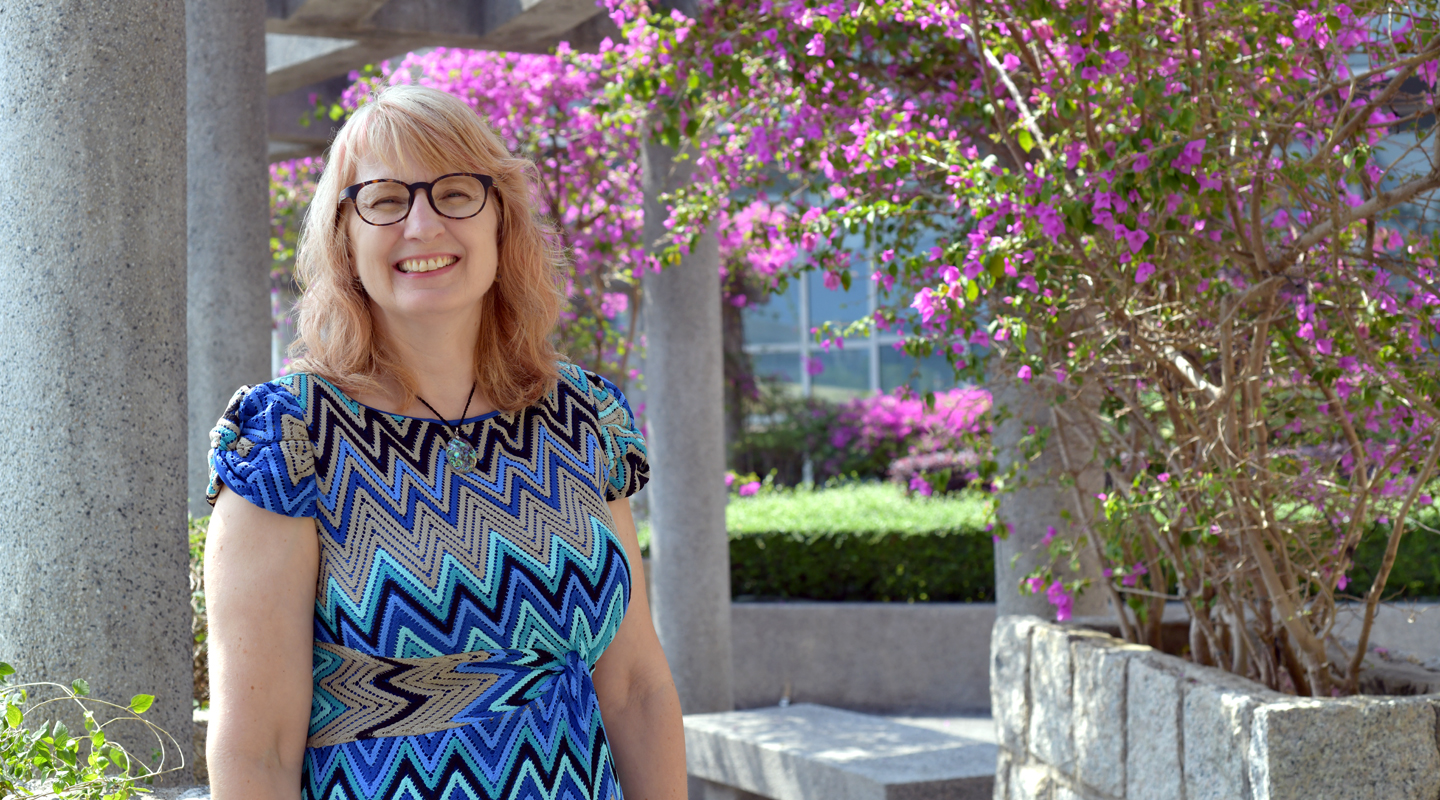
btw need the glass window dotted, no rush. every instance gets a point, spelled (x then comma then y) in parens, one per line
(775, 321)
(845, 373)
(781, 367)
(931, 374)
(839, 305)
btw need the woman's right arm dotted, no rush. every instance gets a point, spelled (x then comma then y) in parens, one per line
(260, 574)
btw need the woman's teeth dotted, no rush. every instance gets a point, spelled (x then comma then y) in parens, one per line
(426, 264)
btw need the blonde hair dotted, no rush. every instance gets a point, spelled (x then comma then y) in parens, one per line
(515, 356)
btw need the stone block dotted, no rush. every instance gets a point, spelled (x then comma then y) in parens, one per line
(1363, 748)
(809, 752)
(1031, 781)
(1004, 765)
(1215, 724)
(1062, 791)
(1010, 679)
(1152, 722)
(1051, 731)
(1099, 717)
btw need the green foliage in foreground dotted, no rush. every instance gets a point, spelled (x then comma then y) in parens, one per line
(860, 542)
(52, 761)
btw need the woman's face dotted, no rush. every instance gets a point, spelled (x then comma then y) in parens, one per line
(426, 265)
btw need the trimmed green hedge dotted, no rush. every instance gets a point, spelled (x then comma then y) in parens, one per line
(860, 542)
(871, 542)
(1416, 573)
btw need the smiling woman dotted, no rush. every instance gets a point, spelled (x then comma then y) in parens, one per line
(410, 134)
(406, 606)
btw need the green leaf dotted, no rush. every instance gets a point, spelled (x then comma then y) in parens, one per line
(13, 717)
(141, 703)
(1027, 142)
(80, 687)
(6, 669)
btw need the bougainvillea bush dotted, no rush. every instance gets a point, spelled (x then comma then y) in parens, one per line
(1203, 229)
(862, 439)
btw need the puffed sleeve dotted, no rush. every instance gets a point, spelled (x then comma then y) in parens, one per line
(620, 436)
(261, 450)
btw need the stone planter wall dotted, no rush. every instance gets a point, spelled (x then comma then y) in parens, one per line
(1080, 714)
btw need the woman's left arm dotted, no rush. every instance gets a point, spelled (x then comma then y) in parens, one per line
(637, 695)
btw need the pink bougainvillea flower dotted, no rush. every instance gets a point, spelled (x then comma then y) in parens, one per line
(750, 489)
(816, 46)
(1061, 599)
(1144, 271)
(1024, 373)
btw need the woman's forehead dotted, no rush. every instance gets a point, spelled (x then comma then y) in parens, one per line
(403, 167)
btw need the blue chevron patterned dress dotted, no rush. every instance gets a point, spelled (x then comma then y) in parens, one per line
(457, 616)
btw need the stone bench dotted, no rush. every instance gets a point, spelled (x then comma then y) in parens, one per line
(811, 752)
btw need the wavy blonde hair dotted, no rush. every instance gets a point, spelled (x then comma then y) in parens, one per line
(515, 356)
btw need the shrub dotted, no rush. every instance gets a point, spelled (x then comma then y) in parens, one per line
(859, 542)
(199, 623)
(935, 473)
(1416, 572)
(856, 439)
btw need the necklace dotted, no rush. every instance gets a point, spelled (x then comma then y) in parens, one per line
(459, 454)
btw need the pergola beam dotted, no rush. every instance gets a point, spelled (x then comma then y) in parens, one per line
(312, 45)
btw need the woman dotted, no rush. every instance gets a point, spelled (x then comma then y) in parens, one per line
(434, 505)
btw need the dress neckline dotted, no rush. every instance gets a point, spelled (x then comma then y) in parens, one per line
(400, 417)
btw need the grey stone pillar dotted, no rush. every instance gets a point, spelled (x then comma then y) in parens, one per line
(1039, 498)
(92, 351)
(228, 322)
(689, 552)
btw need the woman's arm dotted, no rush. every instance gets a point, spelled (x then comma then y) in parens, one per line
(637, 695)
(260, 573)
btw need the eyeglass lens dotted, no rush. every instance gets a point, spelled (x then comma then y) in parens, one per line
(388, 202)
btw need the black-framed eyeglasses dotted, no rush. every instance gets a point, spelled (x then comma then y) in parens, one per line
(386, 201)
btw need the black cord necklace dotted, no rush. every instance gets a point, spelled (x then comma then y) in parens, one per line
(459, 454)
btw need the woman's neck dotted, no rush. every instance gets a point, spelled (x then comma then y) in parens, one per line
(440, 355)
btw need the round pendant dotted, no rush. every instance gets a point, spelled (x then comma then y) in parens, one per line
(460, 455)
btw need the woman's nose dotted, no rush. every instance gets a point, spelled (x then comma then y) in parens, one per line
(422, 223)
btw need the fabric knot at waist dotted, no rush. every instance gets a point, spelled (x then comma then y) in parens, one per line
(360, 696)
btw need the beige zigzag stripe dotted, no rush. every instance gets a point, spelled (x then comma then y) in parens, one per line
(446, 694)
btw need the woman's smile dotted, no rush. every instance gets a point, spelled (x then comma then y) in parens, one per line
(416, 265)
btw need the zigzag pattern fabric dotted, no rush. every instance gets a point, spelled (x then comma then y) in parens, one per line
(457, 616)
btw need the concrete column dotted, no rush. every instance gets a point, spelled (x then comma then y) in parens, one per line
(689, 552)
(92, 352)
(1038, 500)
(228, 216)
